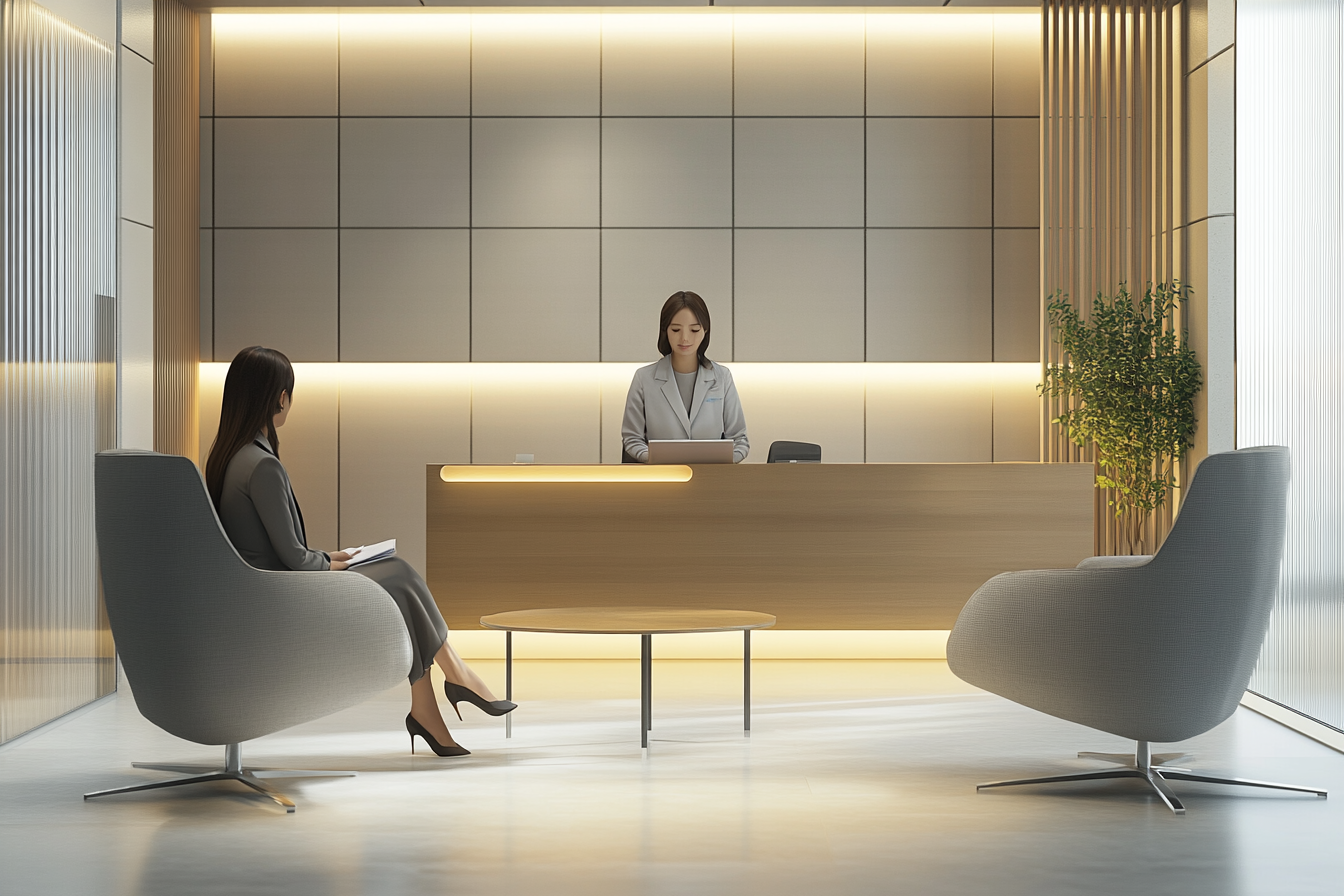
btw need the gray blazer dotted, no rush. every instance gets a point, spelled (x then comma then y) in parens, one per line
(260, 514)
(654, 410)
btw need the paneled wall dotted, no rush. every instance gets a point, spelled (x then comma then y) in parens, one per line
(57, 381)
(359, 435)
(1290, 323)
(1209, 234)
(135, 262)
(525, 187)
(450, 204)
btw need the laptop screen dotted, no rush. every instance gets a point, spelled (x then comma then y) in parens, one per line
(690, 451)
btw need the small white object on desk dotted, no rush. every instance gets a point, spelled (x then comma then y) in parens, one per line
(367, 553)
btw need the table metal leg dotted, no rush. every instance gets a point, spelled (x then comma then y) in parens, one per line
(508, 681)
(645, 688)
(746, 682)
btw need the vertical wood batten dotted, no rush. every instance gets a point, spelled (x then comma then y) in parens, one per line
(1112, 103)
(177, 216)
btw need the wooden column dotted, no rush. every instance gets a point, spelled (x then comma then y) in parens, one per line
(177, 218)
(1112, 108)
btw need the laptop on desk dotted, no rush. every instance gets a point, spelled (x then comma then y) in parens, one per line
(690, 451)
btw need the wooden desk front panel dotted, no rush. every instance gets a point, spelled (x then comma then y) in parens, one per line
(821, 546)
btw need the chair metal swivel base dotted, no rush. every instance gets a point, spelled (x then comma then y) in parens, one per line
(232, 771)
(1152, 768)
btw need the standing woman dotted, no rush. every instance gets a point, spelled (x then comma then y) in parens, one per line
(259, 513)
(685, 395)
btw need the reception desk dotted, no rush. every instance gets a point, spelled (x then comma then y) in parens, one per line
(820, 546)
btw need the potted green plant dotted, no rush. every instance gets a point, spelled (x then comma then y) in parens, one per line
(1129, 378)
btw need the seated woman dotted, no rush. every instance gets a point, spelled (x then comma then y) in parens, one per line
(685, 395)
(259, 512)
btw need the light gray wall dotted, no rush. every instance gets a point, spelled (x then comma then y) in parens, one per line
(850, 188)
(1210, 232)
(135, 156)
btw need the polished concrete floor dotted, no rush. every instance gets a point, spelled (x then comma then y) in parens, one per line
(858, 778)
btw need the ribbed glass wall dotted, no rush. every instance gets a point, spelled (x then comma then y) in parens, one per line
(1290, 323)
(58, 331)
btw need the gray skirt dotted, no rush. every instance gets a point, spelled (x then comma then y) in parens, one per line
(424, 622)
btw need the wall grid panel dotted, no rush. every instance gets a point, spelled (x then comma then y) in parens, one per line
(777, 128)
(1290, 324)
(58, 242)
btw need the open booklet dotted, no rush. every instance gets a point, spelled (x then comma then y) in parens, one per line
(367, 553)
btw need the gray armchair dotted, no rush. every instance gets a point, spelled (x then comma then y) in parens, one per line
(1154, 649)
(218, 652)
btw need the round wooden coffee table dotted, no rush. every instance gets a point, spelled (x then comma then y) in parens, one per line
(643, 621)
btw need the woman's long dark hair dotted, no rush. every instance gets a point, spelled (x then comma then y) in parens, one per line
(252, 391)
(674, 303)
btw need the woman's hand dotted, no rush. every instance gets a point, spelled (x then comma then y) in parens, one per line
(340, 560)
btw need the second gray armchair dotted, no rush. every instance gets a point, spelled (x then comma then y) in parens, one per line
(1153, 649)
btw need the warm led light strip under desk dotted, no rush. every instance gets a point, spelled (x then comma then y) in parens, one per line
(565, 473)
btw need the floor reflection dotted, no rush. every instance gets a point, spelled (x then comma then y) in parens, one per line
(858, 778)
(36, 689)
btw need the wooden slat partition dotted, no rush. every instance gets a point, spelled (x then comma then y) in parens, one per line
(1112, 159)
(177, 220)
(821, 546)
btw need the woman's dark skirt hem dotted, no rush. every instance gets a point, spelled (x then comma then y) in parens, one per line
(424, 622)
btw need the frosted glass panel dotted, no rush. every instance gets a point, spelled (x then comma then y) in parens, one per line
(1290, 324)
(58, 379)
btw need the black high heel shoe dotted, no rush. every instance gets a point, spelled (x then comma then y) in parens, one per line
(456, 692)
(413, 728)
